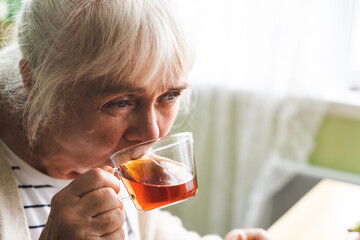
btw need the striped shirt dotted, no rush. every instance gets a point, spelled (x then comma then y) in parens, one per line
(36, 191)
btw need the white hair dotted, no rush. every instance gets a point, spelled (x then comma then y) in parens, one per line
(13, 94)
(67, 42)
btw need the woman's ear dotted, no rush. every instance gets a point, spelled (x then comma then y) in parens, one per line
(26, 74)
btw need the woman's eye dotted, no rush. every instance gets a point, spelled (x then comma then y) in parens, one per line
(170, 96)
(120, 104)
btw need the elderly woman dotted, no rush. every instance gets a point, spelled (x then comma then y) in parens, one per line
(84, 79)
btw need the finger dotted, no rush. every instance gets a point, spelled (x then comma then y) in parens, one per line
(108, 169)
(99, 201)
(108, 222)
(247, 234)
(92, 180)
(236, 234)
(256, 234)
(118, 234)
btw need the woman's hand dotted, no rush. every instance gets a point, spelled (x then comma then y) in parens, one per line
(247, 234)
(88, 208)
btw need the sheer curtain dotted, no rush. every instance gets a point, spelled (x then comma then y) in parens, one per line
(281, 46)
(355, 46)
(262, 71)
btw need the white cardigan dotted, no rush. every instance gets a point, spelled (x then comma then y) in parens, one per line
(152, 225)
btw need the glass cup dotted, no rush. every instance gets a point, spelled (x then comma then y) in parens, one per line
(158, 172)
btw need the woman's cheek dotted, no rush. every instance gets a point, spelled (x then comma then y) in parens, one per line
(167, 120)
(107, 134)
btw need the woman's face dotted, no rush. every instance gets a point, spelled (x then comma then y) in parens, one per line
(102, 122)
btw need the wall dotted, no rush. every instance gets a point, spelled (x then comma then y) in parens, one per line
(338, 144)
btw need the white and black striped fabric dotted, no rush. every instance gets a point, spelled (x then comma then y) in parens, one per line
(37, 190)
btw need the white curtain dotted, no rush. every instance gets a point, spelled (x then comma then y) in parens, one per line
(241, 137)
(296, 46)
(262, 72)
(355, 46)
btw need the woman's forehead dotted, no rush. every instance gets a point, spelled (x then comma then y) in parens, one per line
(103, 87)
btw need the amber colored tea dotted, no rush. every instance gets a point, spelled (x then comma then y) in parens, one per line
(157, 182)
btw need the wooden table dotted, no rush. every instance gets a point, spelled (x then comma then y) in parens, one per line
(324, 213)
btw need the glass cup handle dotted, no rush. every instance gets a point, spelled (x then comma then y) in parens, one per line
(116, 170)
(126, 198)
(123, 198)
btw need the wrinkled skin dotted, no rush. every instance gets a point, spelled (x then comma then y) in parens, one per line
(97, 124)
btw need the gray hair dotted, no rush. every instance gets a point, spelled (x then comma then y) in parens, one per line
(68, 42)
(13, 95)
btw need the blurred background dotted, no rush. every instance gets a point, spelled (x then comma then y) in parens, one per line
(275, 104)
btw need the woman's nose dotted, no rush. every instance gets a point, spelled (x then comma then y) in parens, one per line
(144, 126)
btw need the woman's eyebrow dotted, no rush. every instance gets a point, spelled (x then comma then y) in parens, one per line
(121, 89)
(126, 89)
(178, 87)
